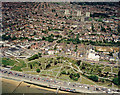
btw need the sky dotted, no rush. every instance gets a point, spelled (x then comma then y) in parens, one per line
(60, 0)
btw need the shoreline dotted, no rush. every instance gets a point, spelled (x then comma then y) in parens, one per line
(23, 87)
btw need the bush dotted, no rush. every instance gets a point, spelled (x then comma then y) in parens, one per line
(94, 78)
(116, 81)
(48, 66)
(33, 57)
(63, 72)
(78, 62)
(40, 54)
(75, 76)
(37, 70)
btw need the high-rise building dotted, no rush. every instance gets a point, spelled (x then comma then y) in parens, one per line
(87, 14)
(78, 13)
(82, 19)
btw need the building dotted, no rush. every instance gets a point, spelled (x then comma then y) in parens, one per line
(67, 12)
(92, 55)
(51, 52)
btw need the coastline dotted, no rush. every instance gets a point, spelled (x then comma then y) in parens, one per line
(13, 86)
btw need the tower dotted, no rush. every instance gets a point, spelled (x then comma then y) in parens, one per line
(82, 19)
(78, 13)
(87, 14)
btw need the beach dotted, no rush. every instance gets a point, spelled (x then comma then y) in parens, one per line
(14, 86)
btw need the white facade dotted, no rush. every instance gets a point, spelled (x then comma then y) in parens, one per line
(93, 56)
(67, 12)
(51, 52)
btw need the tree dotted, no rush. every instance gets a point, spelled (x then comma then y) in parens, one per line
(83, 67)
(48, 66)
(93, 28)
(63, 72)
(103, 29)
(78, 62)
(43, 38)
(13, 38)
(4, 37)
(37, 70)
(116, 81)
(119, 77)
(34, 33)
(33, 57)
(55, 63)
(74, 76)
(56, 15)
(4, 65)
(53, 10)
(30, 66)
(94, 78)
(39, 64)
(40, 54)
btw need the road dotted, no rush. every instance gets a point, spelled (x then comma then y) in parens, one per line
(54, 83)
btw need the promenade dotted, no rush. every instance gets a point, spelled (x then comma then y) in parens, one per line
(52, 83)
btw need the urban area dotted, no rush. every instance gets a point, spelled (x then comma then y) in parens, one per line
(66, 46)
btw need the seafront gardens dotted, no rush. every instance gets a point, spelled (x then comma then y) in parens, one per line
(65, 69)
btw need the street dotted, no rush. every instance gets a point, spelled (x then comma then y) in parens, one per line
(54, 83)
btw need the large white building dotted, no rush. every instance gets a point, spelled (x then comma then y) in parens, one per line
(93, 56)
(67, 12)
(51, 52)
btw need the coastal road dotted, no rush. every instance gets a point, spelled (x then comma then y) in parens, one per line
(54, 83)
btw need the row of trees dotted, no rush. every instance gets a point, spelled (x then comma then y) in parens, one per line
(116, 80)
(73, 76)
(36, 56)
(96, 43)
(93, 77)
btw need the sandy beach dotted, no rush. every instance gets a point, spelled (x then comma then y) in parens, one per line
(13, 86)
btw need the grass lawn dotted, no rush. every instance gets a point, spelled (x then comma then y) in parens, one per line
(106, 84)
(85, 80)
(49, 72)
(54, 68)
(8, 61)
(34, 73)
(64, 77)
(27, 69)
(43, 72)
(115, 70)
(54, 73)
(107, 69)
(20, 65)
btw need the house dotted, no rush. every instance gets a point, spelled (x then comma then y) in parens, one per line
(51, 52)
(112, 59)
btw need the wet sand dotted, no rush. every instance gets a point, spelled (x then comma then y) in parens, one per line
(13, 86)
